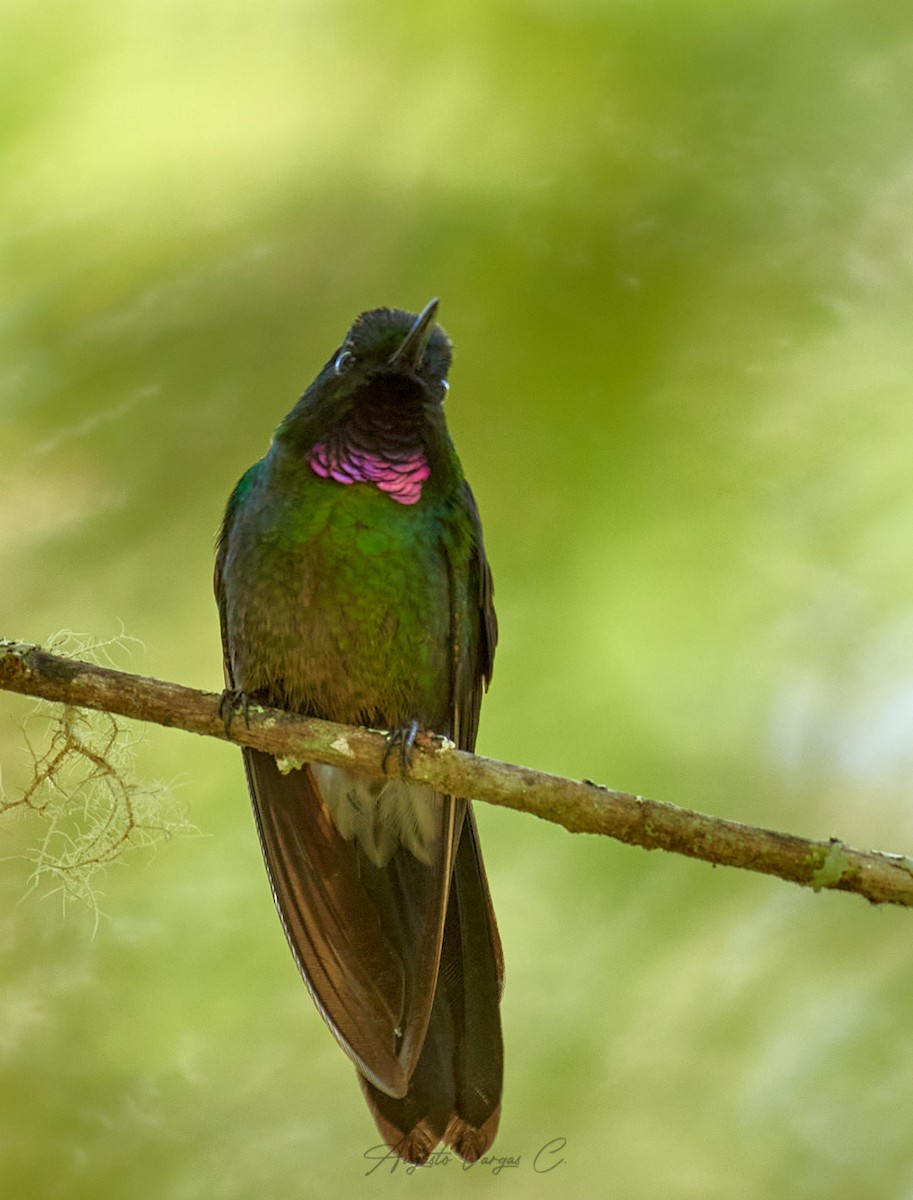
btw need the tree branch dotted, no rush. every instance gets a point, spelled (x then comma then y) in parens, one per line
(581, 807)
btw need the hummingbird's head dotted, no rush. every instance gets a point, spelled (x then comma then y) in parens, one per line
(395, 347)
(374, 414)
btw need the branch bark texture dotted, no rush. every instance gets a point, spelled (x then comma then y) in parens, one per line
(580, 807)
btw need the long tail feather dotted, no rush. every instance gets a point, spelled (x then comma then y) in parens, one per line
(454, 1093)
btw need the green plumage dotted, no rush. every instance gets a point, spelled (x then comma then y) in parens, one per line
(345, 575)
(352, 585)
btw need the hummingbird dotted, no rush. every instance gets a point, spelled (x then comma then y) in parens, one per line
(352, 585)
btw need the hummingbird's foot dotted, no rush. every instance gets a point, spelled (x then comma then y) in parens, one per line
(402, 740)
(232, 700)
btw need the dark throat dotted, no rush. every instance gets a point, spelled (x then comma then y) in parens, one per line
(386, 420)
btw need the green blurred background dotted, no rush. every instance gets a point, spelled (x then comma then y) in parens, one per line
(674, 248)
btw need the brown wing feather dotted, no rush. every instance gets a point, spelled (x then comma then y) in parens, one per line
(351, 967)
(410, 899)
(454, 1094)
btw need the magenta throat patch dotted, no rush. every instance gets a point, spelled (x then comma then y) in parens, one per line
(402, 479)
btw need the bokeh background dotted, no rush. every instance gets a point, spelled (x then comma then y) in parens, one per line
(674, 248)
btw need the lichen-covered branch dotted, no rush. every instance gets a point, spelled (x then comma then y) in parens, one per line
(581, 807)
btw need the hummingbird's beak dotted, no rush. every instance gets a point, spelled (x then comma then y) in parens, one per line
(410, 353)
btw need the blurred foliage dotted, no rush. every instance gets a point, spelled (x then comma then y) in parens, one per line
(673, 245)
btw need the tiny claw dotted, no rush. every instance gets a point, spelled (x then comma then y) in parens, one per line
(401, 739)
(230, 701)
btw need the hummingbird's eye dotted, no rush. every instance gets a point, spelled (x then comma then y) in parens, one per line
(344, 360)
